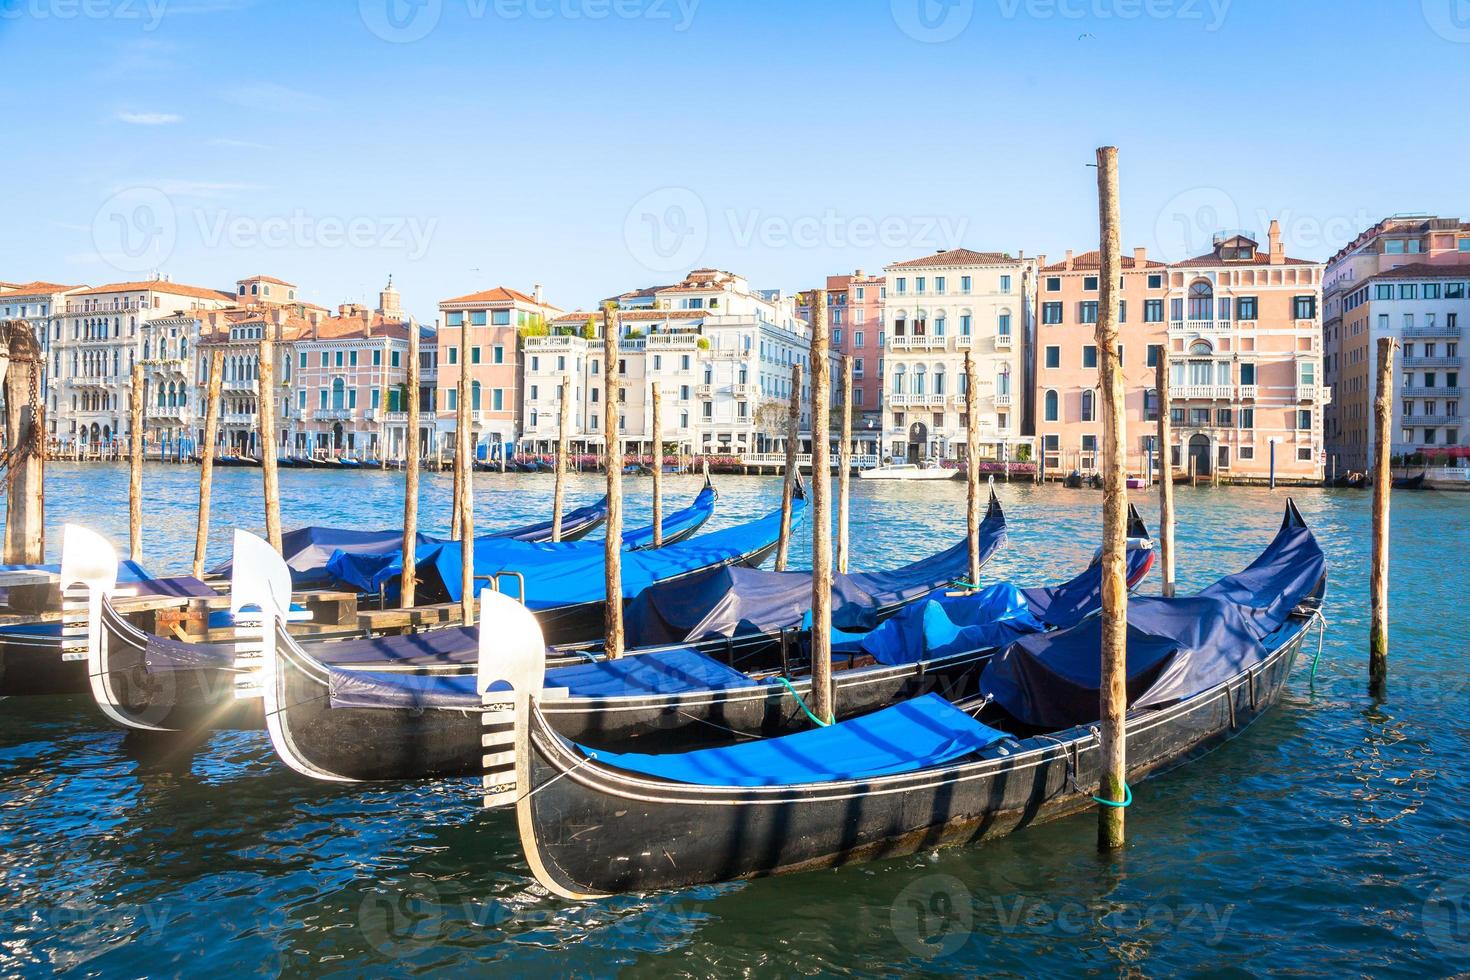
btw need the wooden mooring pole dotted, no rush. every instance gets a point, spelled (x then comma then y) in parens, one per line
(1113, 737)
(658, 468)
(821, 506)
(788, 485)
(563, 437)
(206, 458)
(265, 407)
(972, 468)
(464, 469)
(135, 464)
(844, 468)
(1382, 483)
(1166, 474)
(408, 579)
(613, 462)
(25, 441)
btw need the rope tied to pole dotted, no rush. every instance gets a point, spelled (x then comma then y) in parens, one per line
(781, 679)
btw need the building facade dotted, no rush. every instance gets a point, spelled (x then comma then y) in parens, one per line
(1064, 360)
(937, 308)
(1402, 278)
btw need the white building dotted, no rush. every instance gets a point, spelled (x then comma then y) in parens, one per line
(935, 309)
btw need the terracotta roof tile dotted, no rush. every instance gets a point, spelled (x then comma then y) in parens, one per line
(1212, 259)
(954, 256)
(500, 294)
(160, 286)
(1093, 260)
(41, 287)
(269, 279)
(1424, 270)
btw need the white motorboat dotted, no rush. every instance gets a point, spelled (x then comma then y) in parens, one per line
(930, 470)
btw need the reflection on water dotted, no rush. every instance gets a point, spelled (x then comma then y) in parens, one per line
(1330, 837)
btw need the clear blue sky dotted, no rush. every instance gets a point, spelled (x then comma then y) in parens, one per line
(595, 145)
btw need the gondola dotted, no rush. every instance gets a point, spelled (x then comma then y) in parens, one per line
(922, 773)
(352, 725)
(1410, 482)
(154, 683)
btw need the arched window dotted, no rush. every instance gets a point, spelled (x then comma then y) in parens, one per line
(161, 402)
(1088, 405)
(898, 379)
(339, 393)
(475, 397)
(1201, 347)
(918, 382)
(1052, 411)
(939, 380)
(1003, 382)
(1201, 301)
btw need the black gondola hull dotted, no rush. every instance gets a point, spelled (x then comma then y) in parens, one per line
(589, 830)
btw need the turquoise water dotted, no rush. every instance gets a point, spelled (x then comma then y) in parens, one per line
(1330, 838)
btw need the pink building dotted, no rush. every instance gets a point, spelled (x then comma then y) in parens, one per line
(1068, 419)
(496, 319)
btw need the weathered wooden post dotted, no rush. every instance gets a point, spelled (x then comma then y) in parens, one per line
(1382, 483)
(972, 468)
(25, 441)
(1113, 738)
(844, 467)
(408, 579)
(821, 505)
(788, 485)
(658, 468)
(613, 462)
(266, 413)
(563, 442)
(1166, 474)
(206, 459)
(135, 464)
(464, 467)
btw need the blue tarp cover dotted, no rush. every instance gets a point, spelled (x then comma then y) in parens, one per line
(661, 672)
(1065, 605)
(1176, 648)
(935, 628)
(680, 522)
(735, 601)
(927, 731)
(562, 574)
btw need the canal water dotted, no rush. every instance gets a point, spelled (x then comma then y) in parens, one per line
(1333, 837)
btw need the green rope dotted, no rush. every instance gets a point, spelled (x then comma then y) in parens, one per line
(966, 585)
(1127, 798)
(787, 684)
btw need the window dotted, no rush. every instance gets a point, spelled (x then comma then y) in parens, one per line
(1155, 280)
(377, 358)
(1053, 357)
(474, 355)
(1153, 311)
(1089, 443)
(1304, 418)
(1089, 402)
(497, 399)
(454, 319)
(1089, 356)
(352, 358)
(1053, 284)
(1247, 373)
(339, 358)
(498, 354)
(1089, 283)
(1408, 290)
(303, 358)
(919, 283)
(1431, 290)
(1005, 284)
(1052, 409)
(1222, 418)
(1153, 355)
(1247, 307)
(1051, 312)
(1304, 307)
(1087, 311)
(1004, 325)
(939, 284)
(965, 283)
(477, 318)
(500, 318)
(901, 285)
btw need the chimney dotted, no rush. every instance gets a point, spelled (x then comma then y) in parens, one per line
(1140, 258)
(1041, 261)
(536, 293)
(1278, 251)
(1068, 260)
(858, 274)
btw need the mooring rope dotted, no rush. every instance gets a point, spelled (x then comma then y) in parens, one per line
(787, 684)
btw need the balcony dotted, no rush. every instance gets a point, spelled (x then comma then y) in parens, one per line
(332, 415)
(240, 384)
(1437, 331)
(1431, 362)
(1247, 391)
(1199, 326)
(237, 418)
(1003, 341)
(167, 411)
(1002, 399)
(745, 391)
(1409, 420)
(1225, 392)
(704, 391)
(1421, 392)
(922, 342)
(926, 400)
